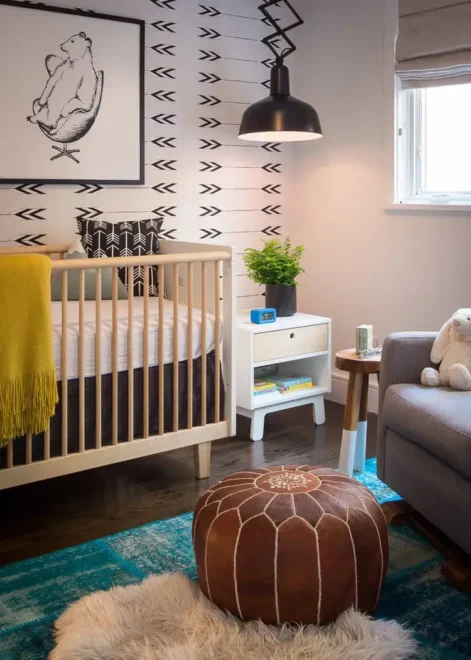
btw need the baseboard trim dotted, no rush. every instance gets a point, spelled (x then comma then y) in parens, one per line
(339, 390)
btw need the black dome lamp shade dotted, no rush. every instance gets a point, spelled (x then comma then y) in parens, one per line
(280, 117)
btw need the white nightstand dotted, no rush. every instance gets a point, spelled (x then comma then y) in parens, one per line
(299, 344)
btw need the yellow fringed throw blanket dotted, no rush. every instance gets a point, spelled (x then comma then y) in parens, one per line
(28, 388)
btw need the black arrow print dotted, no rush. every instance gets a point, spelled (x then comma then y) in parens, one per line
(164, 142)
(209, 144)
(167, 233)
(272, 210)
(210, 210)
(162, 118)
(209, 55)
(164, 26)
(272, 168)
(210, 122)
(209, 167)
(165, 188)
(209, 100)
(272, 146)
(212, 12)
(164, 72)
(163, 49)
(271, 231)
(30, 214)
(266, 83)
(209, 33)
(164, 4)
(212, 56)
(210, 189)
(165, 210)
(88, 213)
(88, 188)
(210, 78)
(165, 165)
(162, 95)
(30, 239)
(210, 233)
(269, 23)
(30, 189)
(272, 189)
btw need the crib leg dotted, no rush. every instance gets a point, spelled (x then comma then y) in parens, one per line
(203, 460)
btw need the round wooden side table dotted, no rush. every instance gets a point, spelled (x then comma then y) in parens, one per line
(353, 449)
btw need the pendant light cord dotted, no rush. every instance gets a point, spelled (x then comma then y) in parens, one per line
(271, 40)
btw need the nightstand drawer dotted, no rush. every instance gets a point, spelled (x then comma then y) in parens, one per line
(289, 343)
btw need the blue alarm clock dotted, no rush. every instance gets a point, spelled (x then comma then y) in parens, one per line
(267, 315)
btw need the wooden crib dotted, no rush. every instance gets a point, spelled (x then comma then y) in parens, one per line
(152, 390)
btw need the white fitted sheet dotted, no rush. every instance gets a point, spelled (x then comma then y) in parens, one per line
(138, 328)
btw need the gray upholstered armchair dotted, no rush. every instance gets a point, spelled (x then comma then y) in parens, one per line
(424, 438)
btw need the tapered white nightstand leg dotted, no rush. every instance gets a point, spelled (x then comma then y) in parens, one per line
(257, 425)
(319, 410)
(347, 452)
(360, 447)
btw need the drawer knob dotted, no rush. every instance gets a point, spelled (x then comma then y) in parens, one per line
(291, 335)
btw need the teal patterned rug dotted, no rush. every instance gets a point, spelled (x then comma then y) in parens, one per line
(33, 593)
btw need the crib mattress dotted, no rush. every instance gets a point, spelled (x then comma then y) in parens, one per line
(137, 333)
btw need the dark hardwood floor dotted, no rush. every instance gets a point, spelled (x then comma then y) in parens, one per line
(58, 513)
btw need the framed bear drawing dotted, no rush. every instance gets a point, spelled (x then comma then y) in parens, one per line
(72, 95)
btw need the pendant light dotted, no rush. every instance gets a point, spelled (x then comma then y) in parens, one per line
(280, 117)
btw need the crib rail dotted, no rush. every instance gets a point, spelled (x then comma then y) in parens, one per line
(202, 279)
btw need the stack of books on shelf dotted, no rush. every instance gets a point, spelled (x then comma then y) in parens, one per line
(288, 384)
(264, 387)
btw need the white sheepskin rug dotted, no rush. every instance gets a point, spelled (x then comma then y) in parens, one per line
(168, 618)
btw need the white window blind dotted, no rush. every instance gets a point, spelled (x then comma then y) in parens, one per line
(433, 46)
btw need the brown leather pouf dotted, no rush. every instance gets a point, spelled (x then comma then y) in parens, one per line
(290, 544)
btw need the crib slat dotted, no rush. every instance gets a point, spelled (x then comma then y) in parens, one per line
(203, 342)
(190, 347)
(145, 356)
(130, 353)
(161, 349)
(176, 402)
(114, 359)
(10, 454)
(217, 341)
(47, 443)
(81, 357)
(98, 402)
(29, 449)
(64, 366)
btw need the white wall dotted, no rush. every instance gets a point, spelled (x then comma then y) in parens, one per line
(243, 212)
(363, 264)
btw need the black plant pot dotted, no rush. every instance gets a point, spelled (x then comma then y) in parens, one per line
(281, 297)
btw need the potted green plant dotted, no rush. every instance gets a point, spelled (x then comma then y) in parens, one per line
(276, 266)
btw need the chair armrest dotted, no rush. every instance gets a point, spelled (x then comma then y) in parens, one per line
(405, 355)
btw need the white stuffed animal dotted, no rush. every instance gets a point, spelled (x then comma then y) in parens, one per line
(452, 350)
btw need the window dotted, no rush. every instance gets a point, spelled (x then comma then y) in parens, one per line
(434, 145)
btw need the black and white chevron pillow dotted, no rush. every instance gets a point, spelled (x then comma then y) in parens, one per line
(124, 239)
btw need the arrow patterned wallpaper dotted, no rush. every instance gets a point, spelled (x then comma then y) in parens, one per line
(204, 64)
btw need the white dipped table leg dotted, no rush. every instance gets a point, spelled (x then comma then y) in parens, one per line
(360, 448)
(347, 452)
(350, 424)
